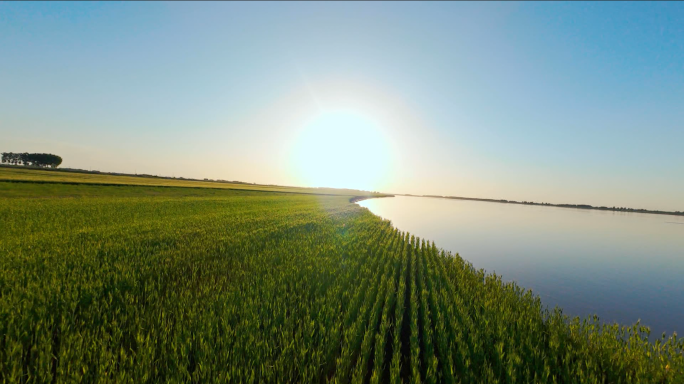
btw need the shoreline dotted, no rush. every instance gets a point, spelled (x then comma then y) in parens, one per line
(576, 206)
(356, 199)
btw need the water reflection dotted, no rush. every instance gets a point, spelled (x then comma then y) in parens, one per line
(620, 266)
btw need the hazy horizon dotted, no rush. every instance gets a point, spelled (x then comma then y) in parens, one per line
(548, 102)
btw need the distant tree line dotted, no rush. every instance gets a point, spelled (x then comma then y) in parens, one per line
(33, 159)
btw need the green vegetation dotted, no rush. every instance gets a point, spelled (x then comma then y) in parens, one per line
(136, 284)
(20, 174)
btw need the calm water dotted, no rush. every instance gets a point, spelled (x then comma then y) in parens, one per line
(620, 266)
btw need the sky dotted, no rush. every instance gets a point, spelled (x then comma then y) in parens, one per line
(548, 102)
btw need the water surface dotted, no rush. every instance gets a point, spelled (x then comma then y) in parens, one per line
(620, 266)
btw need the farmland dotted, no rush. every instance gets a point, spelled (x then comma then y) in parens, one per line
(149, 283)
(19, 174)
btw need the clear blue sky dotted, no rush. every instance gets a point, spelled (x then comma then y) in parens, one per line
(556, 102)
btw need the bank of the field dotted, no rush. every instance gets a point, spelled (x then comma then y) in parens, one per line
(356, 199)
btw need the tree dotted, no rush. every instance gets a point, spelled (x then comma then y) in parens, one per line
(34, 159)
(11, 158)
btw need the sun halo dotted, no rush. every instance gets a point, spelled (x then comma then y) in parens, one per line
(341, 149)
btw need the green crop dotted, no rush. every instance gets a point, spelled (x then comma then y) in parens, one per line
(133, 284)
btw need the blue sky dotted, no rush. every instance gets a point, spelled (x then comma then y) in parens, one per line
(557, 102)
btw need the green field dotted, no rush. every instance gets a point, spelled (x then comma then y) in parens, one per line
(136, 284)
(22, 174)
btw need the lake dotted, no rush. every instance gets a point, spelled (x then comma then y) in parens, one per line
(620, 266)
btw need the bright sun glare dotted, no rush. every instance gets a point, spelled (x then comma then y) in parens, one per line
(342, 149)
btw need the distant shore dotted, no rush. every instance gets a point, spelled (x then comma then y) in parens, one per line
(577, 206)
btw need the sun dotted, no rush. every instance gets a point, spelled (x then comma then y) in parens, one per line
(342, 149)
